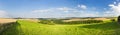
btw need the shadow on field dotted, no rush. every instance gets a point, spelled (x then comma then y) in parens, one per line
(104, 26)
(14, 30)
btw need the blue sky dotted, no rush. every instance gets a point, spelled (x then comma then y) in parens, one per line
(59, 8)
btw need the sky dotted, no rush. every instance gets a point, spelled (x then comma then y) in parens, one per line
(59, 8)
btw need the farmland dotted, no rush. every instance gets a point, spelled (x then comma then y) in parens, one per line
(5, 23)
(26, 27)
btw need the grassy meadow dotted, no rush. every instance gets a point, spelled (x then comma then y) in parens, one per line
(26, 27)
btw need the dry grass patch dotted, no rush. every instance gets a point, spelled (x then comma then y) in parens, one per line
(5, 20)
(85, 19)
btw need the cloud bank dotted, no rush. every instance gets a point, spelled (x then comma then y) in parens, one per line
(114, 9)
(81, 10)
(78, 11)
(3, 13)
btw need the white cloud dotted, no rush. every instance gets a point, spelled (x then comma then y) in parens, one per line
(92, 14)
(109, 13)
(82, 6)
(62, 9)
(3, 13)
(47, 10)
(70, 12)
(115, 2)
(115, 8)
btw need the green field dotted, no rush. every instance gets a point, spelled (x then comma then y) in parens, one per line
(25, 27)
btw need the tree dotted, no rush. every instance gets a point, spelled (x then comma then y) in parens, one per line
(118, 19)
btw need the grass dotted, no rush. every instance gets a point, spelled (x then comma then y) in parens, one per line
(24, 27)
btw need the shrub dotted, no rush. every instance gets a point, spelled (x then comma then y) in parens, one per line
(84, 22)
(47, 22)
(112, 20)
(56, 21)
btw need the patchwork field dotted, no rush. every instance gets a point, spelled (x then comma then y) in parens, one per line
(26, 27)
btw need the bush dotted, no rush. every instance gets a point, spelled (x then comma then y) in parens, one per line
(47, 22)
(78, 22)
(56, 21)
(112, 20)
(84, 22)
